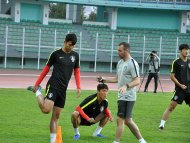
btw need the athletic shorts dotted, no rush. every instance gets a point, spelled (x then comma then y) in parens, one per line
(181, 95)
(125, 109)
(58, 96)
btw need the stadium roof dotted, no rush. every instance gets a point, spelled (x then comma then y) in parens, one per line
(154, 4)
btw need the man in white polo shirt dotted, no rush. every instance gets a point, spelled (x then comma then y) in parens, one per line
(128, 78)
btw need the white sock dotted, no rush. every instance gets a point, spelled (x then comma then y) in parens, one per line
(115, 142)
(38, 93)
(76, 131)
(52, 137)
(142, 141)
(162, 123)
(97, 131)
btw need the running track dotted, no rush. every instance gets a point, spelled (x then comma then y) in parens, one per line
(23, 78)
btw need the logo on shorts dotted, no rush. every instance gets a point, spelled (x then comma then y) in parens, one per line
(50, 95)
(102, 109)
(189, 65)
(175, 97)
(72, 58)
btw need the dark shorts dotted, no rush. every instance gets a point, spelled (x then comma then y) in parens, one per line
(125, 109)
(55, 95)
(181, 95)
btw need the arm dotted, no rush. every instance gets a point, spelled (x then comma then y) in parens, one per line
(158, 60)
(103, 80)
(174, 69)
(113, 80)
(77, 77)
(41, 77)
(173, 78)
(85, 116)
(133, 83)
(77, 80)
(81, 112)
(148, 58)
(108, 114)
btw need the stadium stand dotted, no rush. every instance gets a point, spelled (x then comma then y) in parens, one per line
(88, 48)
(27, 41)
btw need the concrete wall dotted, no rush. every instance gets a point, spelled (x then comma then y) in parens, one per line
(144, 18)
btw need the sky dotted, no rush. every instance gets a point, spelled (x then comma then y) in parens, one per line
(88, 9)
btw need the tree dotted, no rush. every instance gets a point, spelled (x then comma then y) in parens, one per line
(57, 10)
(83, 16)
(92, 16)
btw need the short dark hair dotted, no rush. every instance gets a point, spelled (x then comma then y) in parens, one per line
(154, 52)
(125, 45)
(102, 86)
(71, 37)
(183, 46)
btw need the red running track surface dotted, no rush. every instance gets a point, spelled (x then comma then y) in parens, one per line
(22, 78)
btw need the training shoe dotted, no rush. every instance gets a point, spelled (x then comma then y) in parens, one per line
(31, 88)
(99, 136)
(76, 137)
(161, 127)
(143, 141)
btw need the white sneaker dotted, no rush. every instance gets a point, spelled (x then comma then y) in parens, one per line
(161, 127)
(143, 141)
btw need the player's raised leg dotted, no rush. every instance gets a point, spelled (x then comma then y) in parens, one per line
(45, 104)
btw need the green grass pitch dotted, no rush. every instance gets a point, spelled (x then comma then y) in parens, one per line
(22, 122)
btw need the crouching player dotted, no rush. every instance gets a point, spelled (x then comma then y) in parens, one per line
(92, 109)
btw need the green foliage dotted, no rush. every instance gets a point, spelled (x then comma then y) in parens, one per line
(22, 122)
(92, 16)
(57, 10)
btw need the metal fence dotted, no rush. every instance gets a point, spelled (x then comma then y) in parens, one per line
(94, 48)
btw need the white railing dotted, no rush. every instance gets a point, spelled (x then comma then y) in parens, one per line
(108, 53)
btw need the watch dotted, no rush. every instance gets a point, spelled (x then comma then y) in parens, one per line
(127, 85)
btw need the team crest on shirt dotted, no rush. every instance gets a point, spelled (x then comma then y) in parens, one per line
(50, 95)
(102, 109)
(72, 58)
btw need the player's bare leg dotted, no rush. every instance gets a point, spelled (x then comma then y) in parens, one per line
(166, 114)
(134, 129)
(45, 104)
(54, 122)
(75, 119)
(102, 119)
(119, 130)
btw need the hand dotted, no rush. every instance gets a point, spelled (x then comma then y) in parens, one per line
(183, 86)
(78, 92)
(153, 54)
(158, 70)
(91, 120)
(100, 79)
(123, 89)
(35, 89)
(110, 119)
